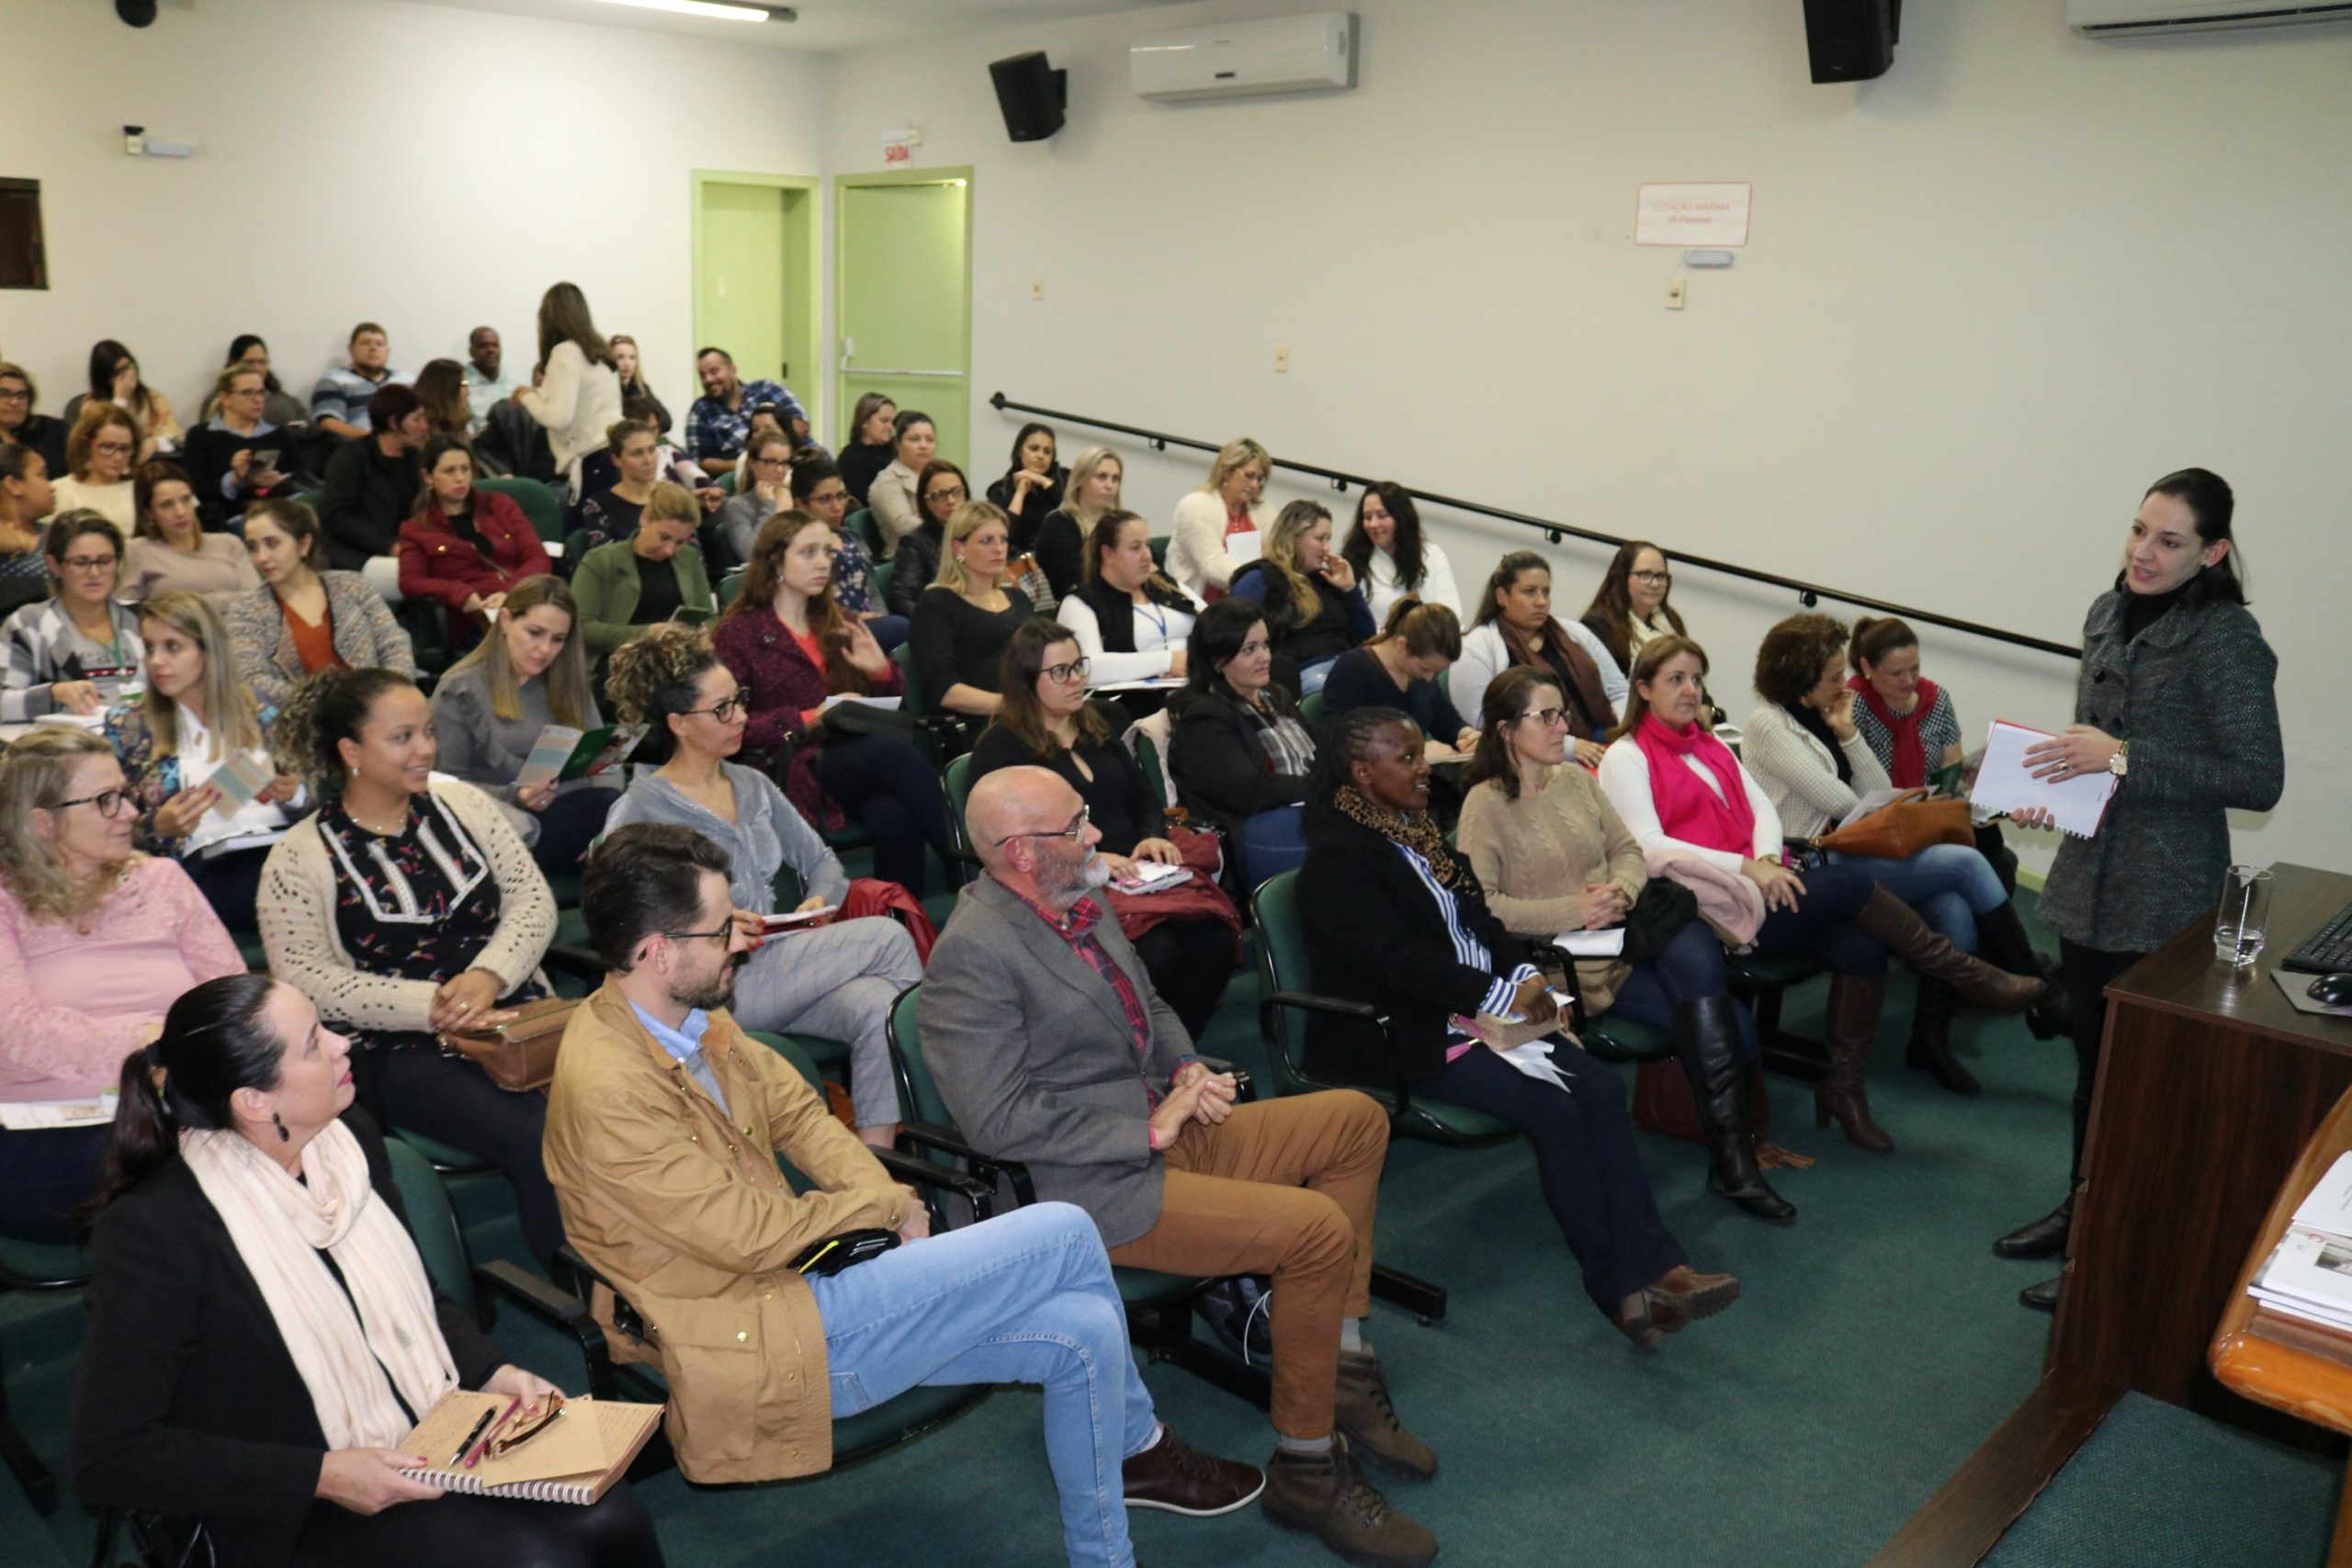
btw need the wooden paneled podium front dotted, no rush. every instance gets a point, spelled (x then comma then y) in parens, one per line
(2210, 1084)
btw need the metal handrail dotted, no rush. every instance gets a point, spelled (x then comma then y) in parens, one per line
(1808, 594)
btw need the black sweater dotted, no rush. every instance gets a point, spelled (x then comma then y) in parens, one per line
(955, 640)
(1120, 801)
(1375, 934)
(366, 499)
(1218, 763)
(1357, 680)
(188, 1403)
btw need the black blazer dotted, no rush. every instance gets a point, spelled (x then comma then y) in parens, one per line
(1219, 766)
(188, 1402)
(1375, 934)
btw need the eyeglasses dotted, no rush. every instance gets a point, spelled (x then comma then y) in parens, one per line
(110, 802)
(1062, 674)
(726, 708)
(91, 563)
(1076, 829)
(15, 395)
(116, 447)
(950, 492)
(1547, 717)
(770, 462)
(530, 1425)
(723, 933)
(1660, 578)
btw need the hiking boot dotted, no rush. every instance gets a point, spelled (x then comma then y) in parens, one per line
(1324, 1495)
(1361, 1407)
(1175, 1476)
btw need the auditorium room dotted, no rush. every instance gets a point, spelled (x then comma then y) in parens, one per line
(1193, 782)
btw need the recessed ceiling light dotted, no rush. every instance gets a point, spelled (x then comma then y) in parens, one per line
(714, 10)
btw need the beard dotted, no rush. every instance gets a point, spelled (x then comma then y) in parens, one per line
(1075, 882)
(718, 990)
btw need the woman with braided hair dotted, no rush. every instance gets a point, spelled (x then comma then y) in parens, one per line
(1395, 916)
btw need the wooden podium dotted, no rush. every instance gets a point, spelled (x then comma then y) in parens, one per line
(2209, 1085)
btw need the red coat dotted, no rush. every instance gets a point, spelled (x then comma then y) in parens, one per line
(782, 685)
(436, 564)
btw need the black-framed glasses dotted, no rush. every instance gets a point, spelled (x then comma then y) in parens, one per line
(948, 492)
(726, 708)
(90, 563)
(723, 933)
(1062, 674)
(1661, 578)
(1547, 717)
(1076, 829)
(110, 802)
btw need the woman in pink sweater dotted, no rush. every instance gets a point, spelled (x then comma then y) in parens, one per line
(95, 944)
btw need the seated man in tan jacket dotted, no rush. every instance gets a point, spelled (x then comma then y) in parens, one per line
(663, 1127)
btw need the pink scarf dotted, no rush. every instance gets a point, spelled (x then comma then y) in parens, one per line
(1909, 768)
(1687, 808)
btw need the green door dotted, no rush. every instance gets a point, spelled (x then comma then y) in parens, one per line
(756, 262)
(905, 296)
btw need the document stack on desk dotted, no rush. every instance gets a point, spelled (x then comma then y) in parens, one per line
(2310, 1275)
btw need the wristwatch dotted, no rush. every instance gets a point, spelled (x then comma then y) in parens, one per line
(2120, 763)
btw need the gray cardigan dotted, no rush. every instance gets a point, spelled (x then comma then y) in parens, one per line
(2194, 695)
(766, 834)
(486, 750)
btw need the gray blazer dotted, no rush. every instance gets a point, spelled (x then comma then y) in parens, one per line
(2194, 693)
(765, 836)
(365, 635)
(1033, 1054)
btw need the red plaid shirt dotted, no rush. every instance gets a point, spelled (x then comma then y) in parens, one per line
(1077, 928)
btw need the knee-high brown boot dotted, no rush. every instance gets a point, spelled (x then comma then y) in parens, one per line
(1895, 926)
(1855, 1003)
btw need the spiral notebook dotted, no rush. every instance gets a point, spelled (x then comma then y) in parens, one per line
(576, 1460)
(2005, 783)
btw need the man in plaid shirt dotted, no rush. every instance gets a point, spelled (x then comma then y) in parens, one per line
(721, 419)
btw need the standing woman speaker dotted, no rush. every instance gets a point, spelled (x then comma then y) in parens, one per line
(2176, 697)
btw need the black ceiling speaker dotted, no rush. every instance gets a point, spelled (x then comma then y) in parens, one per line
(1851, 41)
(138, 13)
(1032, 93)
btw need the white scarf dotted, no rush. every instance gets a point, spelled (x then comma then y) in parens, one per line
(278, 1225)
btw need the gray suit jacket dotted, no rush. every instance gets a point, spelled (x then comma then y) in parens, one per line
(1033, 1054)
(2195, 695)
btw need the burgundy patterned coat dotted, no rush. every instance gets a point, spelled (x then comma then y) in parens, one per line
(783, 686)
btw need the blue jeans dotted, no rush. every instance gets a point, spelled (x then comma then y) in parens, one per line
(1948, 885)
(1271, 842)
(1023, 1298)
(1689, 967)
(1311, 677)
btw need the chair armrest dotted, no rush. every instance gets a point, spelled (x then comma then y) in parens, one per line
(1340, 1008)
(559, 1309)
(947, 1141)
(923, 1173)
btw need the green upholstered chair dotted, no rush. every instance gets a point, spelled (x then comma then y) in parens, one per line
(1160, 1306)
(26, 1266)
(539, 503)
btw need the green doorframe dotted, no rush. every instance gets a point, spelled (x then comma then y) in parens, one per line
(804, 276)
(960, 176)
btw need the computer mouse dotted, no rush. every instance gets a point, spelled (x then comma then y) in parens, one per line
(2332, 991)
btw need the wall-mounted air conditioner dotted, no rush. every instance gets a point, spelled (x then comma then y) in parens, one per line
(1277, 55)
(2129, 19)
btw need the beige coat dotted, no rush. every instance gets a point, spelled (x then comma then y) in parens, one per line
(682, 1208)
(1534, 854)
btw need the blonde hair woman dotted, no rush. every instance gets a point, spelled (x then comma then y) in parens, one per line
(655, 575)
(95, 940)
(1201, 557)
(965, 618)
(98, 456)
(1090, 492)
(1314, 609)
(196, 719)
(527, 673)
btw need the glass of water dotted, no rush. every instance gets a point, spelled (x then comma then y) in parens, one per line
(2243, 915)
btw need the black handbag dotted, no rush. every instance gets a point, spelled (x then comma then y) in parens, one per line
(1664, 907)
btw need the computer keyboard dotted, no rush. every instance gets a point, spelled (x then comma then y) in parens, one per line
(2326, 951)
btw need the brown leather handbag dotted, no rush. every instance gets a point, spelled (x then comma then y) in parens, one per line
(1904, 827)
(519, 1053)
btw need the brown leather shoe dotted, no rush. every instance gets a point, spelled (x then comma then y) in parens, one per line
(1325, 1496)
(1361, 1407)
(1175, 1476)
(1682, 1295)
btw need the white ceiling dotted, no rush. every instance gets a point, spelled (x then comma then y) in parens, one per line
(823, 23)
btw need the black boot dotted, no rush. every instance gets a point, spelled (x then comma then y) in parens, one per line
(2002, 941)
(2045, 1237)
(1929, 1050)
(1706, 1039)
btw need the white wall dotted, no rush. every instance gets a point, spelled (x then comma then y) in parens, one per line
(1989, 299)
(430, 168)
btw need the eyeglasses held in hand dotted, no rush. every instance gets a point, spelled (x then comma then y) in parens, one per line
(1076, 829)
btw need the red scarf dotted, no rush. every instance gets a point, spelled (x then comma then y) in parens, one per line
(1909, 768)
(1687, 808)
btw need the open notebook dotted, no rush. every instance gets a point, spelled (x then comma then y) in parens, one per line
(576, 1460)
(2005, 783)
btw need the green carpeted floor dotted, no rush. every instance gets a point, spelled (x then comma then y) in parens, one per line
(1877, 1342)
